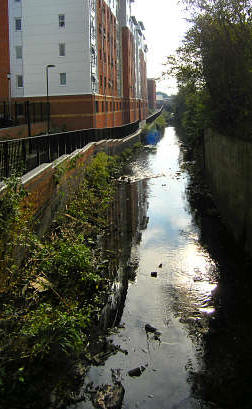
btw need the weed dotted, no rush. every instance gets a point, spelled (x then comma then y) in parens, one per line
(50, 302)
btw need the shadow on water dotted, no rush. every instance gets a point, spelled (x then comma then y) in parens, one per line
(224, 377)
(163, 221)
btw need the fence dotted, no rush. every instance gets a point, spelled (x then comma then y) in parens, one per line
(152, 117)
(22, 155)
(15, 113)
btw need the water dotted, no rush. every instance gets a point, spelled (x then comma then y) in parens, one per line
(198, 361)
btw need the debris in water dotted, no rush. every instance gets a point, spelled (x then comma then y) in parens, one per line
(137, 371)
(149, 328)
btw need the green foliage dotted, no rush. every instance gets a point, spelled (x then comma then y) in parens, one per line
(14, 224)
(161, 122)
(192, 113)
(214, 64)
(50, 302)
(10, 203)
(48, 327)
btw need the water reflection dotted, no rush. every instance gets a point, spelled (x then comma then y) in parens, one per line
(128, 220)
(194, 301)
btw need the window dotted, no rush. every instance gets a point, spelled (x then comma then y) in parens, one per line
(19, 52)
(62, 49)
(61, 20)
(18, 24)
(62, 78)
(17, 1)
(96, 106)
(19, 80)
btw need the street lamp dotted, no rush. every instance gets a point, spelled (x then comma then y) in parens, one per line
(47, 97)
(9, 93)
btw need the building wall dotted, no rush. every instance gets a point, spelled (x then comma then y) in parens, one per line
(151, 93)
(106, 49)
(104, 60)
(21, 131)
(40, 37)
(124, 13)
(16, 40)
(143, 75)
(4, 50)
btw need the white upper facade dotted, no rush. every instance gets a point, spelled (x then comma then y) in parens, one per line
(124, 13)
(59, 33)
(63, 34)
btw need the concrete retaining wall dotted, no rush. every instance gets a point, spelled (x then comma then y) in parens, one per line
(228, 163)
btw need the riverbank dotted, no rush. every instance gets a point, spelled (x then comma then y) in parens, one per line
(224, 377)
(180, 274)
(51, 305)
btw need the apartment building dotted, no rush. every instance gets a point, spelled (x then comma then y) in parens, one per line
(95, 54)
(151, 83)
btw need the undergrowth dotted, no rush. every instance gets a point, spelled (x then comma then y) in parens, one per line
(50, 302)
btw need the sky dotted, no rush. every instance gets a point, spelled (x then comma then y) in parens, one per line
(165, 26)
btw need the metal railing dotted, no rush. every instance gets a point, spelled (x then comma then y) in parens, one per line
(22, 155)
(152, 117)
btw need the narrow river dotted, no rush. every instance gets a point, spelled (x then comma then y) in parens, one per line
(172, 277)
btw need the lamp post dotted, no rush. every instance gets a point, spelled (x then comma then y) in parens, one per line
(47, 97)
(9, 93)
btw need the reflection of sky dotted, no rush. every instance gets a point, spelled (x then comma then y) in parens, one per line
(180, 294)
(166, 197)
(171, 236)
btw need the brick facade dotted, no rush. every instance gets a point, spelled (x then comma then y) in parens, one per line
(112, 100)
(152, 93)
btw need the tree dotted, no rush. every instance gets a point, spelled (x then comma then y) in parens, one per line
(215, 60)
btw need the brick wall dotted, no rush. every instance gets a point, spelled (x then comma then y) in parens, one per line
(151, 93)
(21, 131)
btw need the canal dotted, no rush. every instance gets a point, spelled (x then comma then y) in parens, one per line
(181, 305)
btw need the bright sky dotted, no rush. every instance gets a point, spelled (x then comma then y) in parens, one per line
(165, 25)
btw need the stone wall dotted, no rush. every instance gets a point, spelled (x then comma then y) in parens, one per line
(228, 163)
